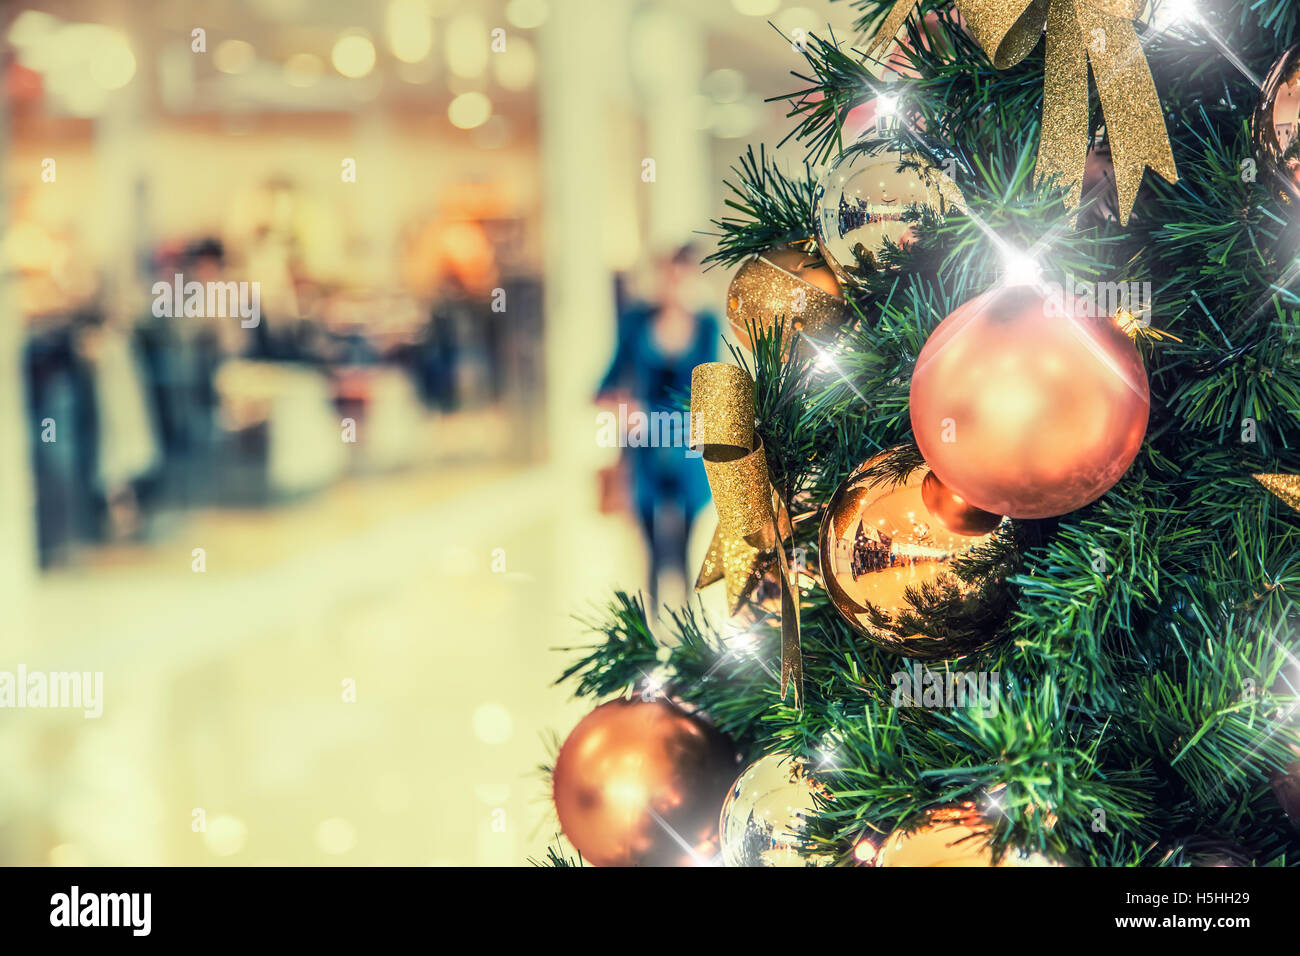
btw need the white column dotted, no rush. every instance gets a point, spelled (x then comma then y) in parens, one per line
(18, 559)
(669, 60)
(578, 49)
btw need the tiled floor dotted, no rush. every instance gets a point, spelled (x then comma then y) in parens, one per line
(228, 735)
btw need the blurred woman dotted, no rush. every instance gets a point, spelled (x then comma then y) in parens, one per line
(659, 343)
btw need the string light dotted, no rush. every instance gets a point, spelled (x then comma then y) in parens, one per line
(864, 851)
(1020, 268)
(1174, 13)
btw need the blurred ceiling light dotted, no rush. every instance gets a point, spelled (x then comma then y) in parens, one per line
(724, 86)
(353, 55)
(303, 70)
(335, 836)
(469, 110)
(410, 29)
(526, 14)
(68, 48)
(233, 56)
(756, 8)
(493, 724)
(113, 64)
(516, 66)
(67, 58)
(799, 18)
(29, 27)
(467, 46)
(733, 120)
(225, 835)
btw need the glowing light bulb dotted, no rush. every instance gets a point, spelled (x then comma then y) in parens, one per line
(864, 851)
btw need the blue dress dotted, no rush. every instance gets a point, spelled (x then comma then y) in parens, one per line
(660, 382)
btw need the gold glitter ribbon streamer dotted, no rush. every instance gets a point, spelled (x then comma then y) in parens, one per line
(1286, 487)
(1079, 33)
(722, 427)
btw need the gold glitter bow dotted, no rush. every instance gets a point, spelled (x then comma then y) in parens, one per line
(748, 535)
(1079, 33)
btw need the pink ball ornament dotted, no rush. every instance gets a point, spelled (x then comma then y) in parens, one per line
(1027, 403)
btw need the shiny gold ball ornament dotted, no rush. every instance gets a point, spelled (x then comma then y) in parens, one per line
(881, 546)
(952, 836)
(765, 814)
(1027, 403)
(1276, 124)
(639, 783)
(785, 282)
(860, 202)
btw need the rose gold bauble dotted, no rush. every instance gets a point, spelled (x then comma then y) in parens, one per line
(952, 511)
(1026, 405)
(951, 836)
(1100, 192)
(635, 777)
(789, 283)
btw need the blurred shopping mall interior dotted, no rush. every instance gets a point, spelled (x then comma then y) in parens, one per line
(323, 535)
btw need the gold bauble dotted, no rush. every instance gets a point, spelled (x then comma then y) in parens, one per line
(789, 283)
(878, 541)
(764, 815)
(951, 836)
(1276, 124)
(860, 202)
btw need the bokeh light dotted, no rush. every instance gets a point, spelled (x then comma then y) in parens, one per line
(353, 55)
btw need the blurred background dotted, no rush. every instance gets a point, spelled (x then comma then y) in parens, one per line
(323, 560)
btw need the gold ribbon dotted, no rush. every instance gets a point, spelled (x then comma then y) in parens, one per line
(722, 427)
(1286, 487)
(1079, 33)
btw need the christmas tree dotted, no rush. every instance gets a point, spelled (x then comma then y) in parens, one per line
(1076, 641)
